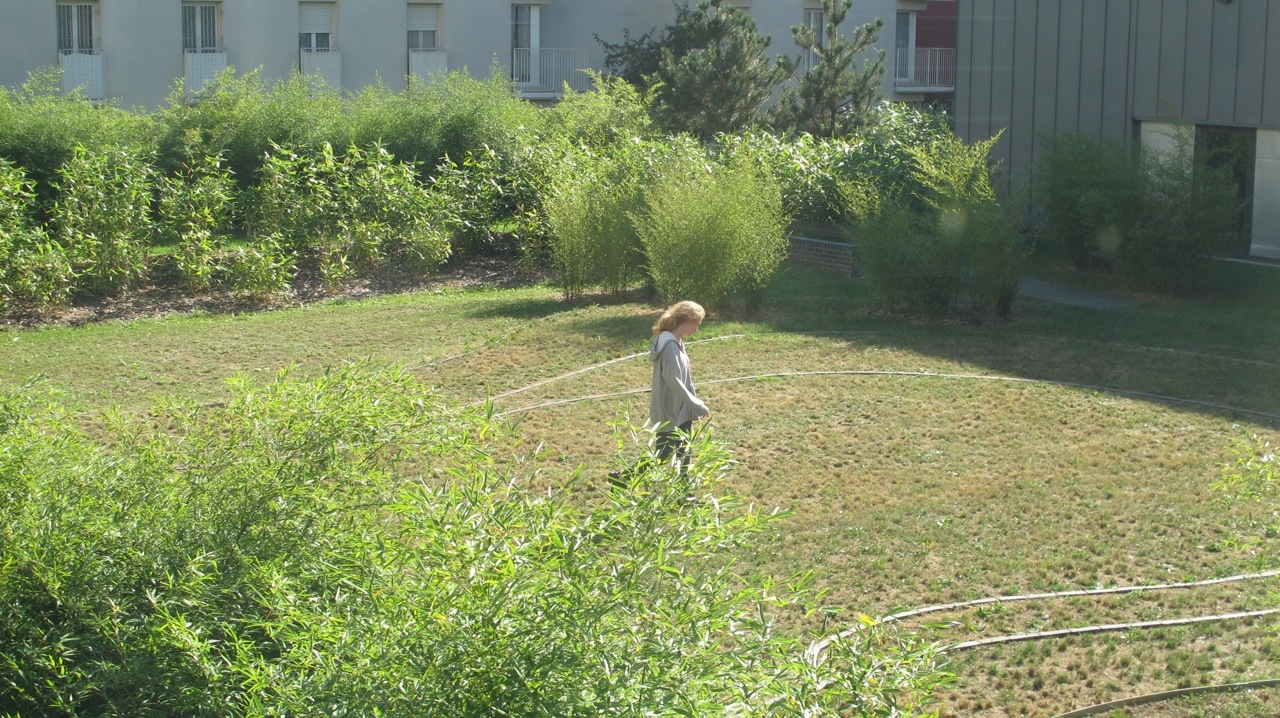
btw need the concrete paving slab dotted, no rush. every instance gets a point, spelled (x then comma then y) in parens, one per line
(1060, 294)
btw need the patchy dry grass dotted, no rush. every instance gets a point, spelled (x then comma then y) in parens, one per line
(905, 489)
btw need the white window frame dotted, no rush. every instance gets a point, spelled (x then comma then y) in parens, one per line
(421, 38)
(905, 70)
(312, 41)
(532, 71)
(75, 40)
(201, 15)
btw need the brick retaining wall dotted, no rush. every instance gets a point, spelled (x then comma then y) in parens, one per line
(835, 256)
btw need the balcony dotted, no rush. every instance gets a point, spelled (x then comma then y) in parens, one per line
(201, 67)
(540, 73)
(325, 63)
(83, 70)
(925, 69)
(425, 63)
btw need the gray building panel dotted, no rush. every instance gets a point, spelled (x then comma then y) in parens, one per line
(1045, 50)
(1117, 57)
(1223, 65)
(1252, 60)
(1172, 57)
(1199, 47)
(1002, 70)
(1271, 70)
(980, 92)
(1146, 71)
(1022, 133)
(1093, 56)
(1070, 55)
(965, 79)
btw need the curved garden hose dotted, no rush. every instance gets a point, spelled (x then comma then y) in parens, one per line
(885, 372)
(1168, 695)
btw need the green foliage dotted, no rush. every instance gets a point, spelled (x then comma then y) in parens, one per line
(40, 129)
(1090, 190)
(1190, 211)
(711, 231)
(350, 211)
(593, 238)
(449, 117)
(613, 112)
(922, 238)
(347, 546)
(192, 207)
(720, 85)
(104, 217)
(1158, 219)
(262, 269)
(34, 271)
(1252, 477)
(833, 97)
(239, 118)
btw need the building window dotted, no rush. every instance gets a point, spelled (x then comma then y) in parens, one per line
(904, 42)
(521, 26)
(200, 27)
(75, 28)
(815, 19)
(424, 24)
(315, 27)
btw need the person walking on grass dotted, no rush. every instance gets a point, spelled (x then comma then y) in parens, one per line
(673, 403)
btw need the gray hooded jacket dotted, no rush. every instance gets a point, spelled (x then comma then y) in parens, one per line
(673, 400)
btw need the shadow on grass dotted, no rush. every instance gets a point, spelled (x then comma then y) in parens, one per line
(1221, 349)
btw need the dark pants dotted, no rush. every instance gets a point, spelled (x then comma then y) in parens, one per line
(675, 442)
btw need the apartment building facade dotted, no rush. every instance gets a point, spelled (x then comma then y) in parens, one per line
(1135, 70)
(132, 51)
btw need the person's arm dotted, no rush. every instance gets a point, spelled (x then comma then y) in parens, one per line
(670, 372)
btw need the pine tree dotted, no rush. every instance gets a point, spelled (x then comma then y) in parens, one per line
(711, 75)
(833, 97)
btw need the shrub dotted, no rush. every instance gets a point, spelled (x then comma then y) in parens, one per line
(927, 235)
(40, 129)
(192, 207)
(348, 546)
(712, 231)
(1252, 477)
(262, 269)
(1189, 211)
(104, 217)
(1090, 190)
(34, 270)
(240, 118)
(593, 238)
(351, 211)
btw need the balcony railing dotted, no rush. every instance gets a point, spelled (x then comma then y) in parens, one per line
(926, 69)
(325, 63)
(543, 71)
(202, 67)
(425, 63)
(83, 70)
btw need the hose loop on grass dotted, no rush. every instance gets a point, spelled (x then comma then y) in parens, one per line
(977, 643)
(1065, 594)
(882, 372)
(1169, 695)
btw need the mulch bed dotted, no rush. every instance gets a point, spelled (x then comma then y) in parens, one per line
(164, 295)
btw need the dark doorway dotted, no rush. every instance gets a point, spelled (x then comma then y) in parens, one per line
(1232, 149)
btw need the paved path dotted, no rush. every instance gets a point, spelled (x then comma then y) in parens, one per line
(1050, 292)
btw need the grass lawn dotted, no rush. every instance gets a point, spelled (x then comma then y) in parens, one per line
(906, 487)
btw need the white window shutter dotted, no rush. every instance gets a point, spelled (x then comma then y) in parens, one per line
(315, 17)
(424, 17)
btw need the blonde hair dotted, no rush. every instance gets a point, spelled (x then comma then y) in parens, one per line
(678, 314)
